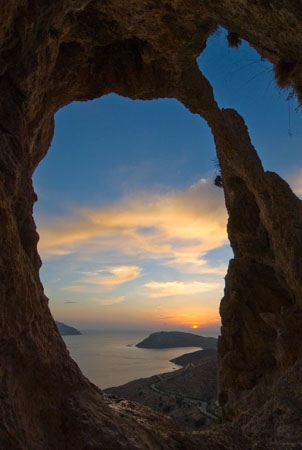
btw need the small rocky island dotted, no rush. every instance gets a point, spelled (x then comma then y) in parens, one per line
(173, 339)
(66, 330)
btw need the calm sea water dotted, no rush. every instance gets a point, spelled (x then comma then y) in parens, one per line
(111, 358)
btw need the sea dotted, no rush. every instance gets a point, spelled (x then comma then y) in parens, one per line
(110, 358)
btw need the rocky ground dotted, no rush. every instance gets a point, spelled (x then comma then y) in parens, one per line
(179, 394)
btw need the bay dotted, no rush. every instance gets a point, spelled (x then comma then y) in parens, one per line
(110, 358)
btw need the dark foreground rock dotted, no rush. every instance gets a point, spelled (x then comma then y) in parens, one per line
(55, 52)
(173, 339)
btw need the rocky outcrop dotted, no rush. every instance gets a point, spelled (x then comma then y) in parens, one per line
(54, 52)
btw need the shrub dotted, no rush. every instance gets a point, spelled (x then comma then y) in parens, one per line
(179, 401)
(218, 181)
(167, 408)
(233, 39)
(217, 173)
(283, 72)
(199, 422)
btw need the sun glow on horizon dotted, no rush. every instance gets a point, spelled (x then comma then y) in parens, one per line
(194, 326)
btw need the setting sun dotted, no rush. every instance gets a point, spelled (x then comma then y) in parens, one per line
(194, 326)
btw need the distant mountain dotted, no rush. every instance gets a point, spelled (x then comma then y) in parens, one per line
(65, 330)
(173, 339)
(189, 358)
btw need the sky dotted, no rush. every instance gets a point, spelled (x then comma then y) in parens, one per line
(132, 228)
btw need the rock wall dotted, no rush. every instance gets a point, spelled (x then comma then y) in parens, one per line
(53, 52)
(260, 344)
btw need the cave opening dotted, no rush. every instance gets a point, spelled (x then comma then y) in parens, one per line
(149, 159)
(137, 241)
(55, 54)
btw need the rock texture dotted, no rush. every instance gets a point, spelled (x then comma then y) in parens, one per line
(53, 52)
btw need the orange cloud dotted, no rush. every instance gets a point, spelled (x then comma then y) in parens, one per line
(171, 288)
(83, 288)
(202, 317)
(115, 275)
(179, 227)
(112, 301)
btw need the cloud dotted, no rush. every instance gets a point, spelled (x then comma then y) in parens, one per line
(178, 227)
(166, 318)
(83, 288)
(104, 280)
(112, 275)
(201, 317)
(59, 252)
(112, 301)
(171, 288)
(198, 266)
(69, 302)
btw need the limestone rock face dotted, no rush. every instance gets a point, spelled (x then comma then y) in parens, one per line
(261, 336)
(55, 51)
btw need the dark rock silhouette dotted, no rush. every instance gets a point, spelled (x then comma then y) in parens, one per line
(55, 52)
(173, 339)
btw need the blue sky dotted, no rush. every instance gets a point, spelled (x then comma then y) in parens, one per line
(132, 228)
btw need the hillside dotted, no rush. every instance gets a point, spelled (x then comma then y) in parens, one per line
(193, 357)
(178, 394)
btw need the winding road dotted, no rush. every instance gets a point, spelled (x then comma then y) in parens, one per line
(202, 406)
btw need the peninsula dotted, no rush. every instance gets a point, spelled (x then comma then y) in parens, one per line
(191, 358)
(66, 330)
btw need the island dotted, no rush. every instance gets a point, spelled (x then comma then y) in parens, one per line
(173, 339)
(66, 330)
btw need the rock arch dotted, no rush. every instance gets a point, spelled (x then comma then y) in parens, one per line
(54, 52)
